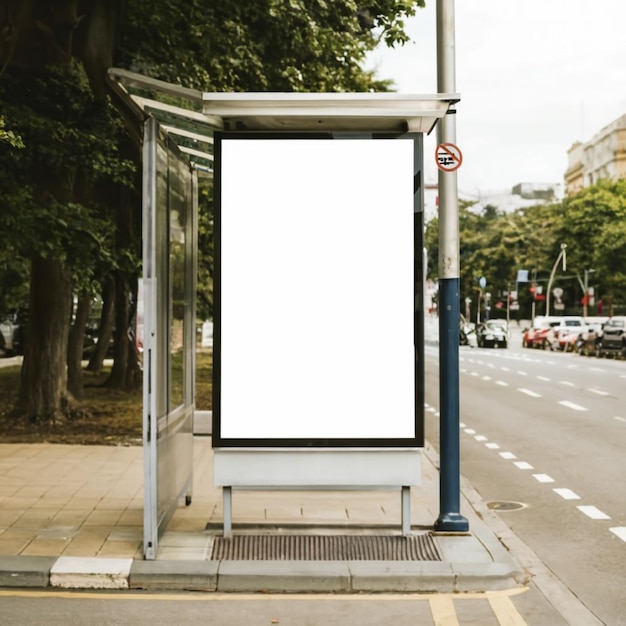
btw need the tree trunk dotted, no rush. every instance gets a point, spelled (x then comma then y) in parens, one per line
(125, 370)
(75, 347)
(43, 393)
(105, 329)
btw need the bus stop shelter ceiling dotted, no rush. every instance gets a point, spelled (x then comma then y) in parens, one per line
(190, 116)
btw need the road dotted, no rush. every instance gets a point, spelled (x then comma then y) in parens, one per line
(514, 607)
(543, 440)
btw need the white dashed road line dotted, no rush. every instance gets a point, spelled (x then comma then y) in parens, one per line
(530, 393)
(593, 512)
(566, 494)
(571, 405)
(522, 373)
(599, 392)
(567, 383)
(543, 478)
(523, 465)
(547, 380)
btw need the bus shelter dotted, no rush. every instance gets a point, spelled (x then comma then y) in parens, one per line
(318, 350)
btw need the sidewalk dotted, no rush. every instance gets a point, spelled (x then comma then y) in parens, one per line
(72, 516)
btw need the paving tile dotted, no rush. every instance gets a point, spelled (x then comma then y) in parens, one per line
(113, 503)
(35, 518)
(131, 517)
(84, 545)
(9, 489)
(183, 554)
(70, 517)
(8, 517)
(62, 491)
(13, 547)
(19, 533)
(47, 502)
(45, 547)
(103, 518)
(82, 503)
(126, 534)
(120, 549)
(184, 540)
(193, 524)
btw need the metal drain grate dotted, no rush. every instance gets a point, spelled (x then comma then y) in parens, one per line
(325, 548)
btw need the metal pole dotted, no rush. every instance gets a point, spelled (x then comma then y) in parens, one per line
(561, 254)
(450, 518)
(532, 306)
(508, 304)
(585, 291)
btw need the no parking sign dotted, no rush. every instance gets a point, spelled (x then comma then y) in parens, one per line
(448, 157)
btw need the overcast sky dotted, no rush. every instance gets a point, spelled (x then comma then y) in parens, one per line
(534, 77)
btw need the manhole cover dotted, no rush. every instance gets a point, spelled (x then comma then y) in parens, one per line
(505, 505)
(325, 548)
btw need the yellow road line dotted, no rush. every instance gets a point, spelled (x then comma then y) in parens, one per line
(505, 611)
(443, 612)
(213, 596)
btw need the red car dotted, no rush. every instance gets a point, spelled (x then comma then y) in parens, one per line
(541, 333)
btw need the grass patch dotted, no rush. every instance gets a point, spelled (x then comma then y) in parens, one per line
(110, 417)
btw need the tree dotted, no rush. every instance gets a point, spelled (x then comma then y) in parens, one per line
(53, 220)
(71, 143)
(593, 224)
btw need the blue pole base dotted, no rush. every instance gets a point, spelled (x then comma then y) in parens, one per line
(452, 523)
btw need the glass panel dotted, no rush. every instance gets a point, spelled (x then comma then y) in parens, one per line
(178, 200)
(161, 253)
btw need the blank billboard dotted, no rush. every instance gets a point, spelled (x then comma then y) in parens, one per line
(314, 292)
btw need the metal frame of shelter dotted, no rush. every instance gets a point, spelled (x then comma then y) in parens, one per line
(178, 129)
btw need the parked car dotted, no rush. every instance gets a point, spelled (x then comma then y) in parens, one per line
(538, 335)
(492, 334)
(614, 335)
(565, 334)
(12, 335)
(467, 333)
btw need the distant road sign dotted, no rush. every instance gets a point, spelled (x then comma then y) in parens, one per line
(448, 157)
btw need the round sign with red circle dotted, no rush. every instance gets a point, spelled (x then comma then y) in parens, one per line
(448, 157)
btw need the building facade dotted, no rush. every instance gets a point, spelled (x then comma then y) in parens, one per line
(602, 157)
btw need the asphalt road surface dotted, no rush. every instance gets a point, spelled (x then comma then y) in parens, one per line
(543, 440)
(515, 607)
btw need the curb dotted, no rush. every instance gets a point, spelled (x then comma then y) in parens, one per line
(256, 576)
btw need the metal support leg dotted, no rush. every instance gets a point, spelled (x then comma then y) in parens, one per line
(227, 505)
(406, 511)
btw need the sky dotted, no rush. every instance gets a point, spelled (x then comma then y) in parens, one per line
(534, 77)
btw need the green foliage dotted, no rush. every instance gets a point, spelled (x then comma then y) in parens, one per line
(46, 188)
(593, 224)
(9, 137)
(496, 245)
(204, 308)
(266, 45)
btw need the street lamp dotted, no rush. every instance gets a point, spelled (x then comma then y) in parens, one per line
(586, 292)
(561, 255)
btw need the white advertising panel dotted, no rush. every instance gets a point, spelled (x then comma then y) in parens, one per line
(314, 334)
